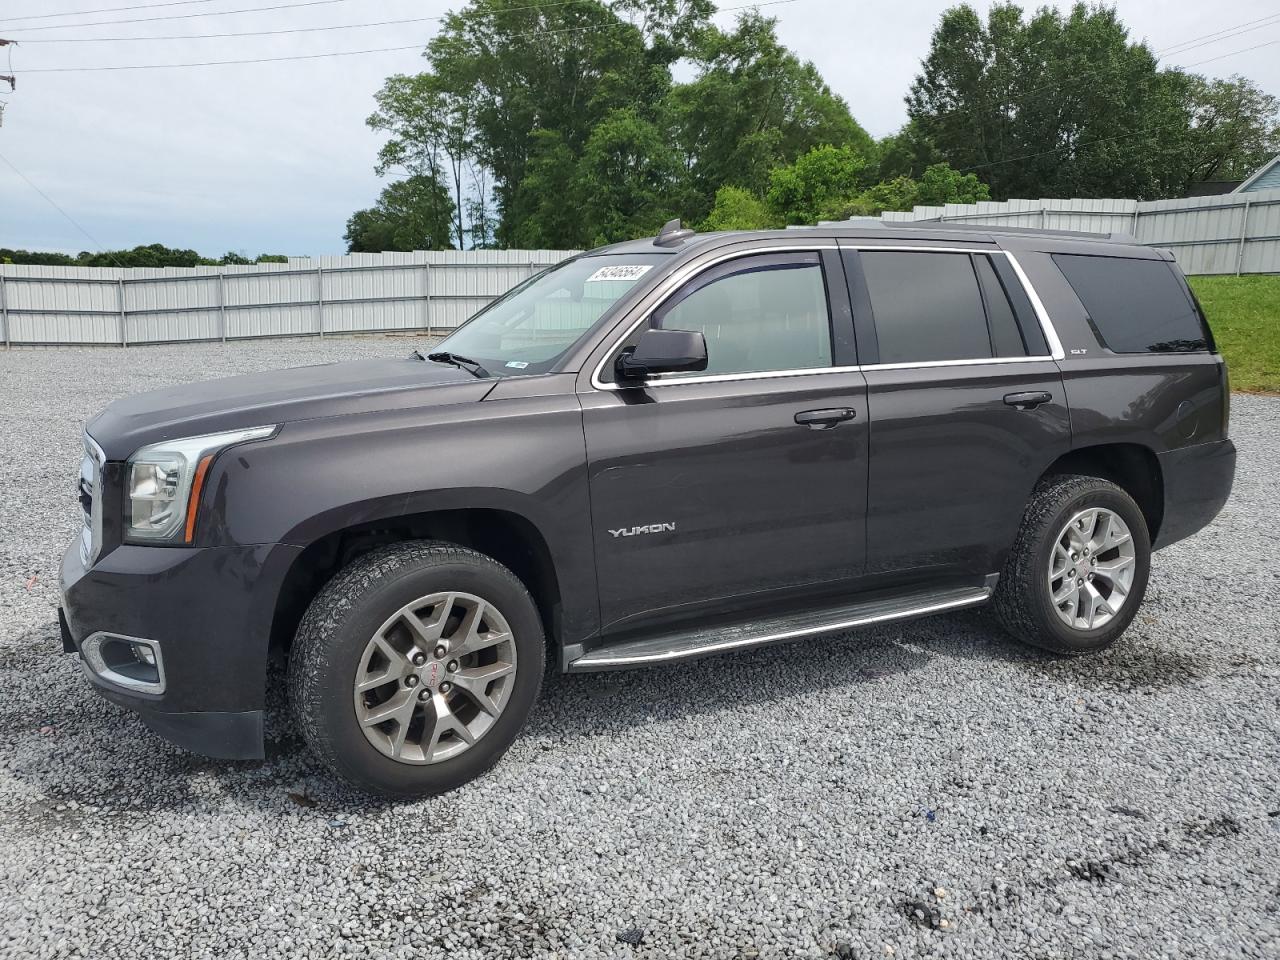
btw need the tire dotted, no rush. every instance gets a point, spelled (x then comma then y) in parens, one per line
(1024, 601)
(378, 596)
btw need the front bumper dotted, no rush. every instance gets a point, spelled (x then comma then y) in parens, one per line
(209, 610)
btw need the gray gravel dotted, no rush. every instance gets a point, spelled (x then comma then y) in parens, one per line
(931, 789)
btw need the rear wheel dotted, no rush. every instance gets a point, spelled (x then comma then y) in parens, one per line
(1078, 569)
(414, 669)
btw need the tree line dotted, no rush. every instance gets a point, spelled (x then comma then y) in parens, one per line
(554, 124)
(151, 255)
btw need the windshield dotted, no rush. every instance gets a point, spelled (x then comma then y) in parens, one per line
(527, 330)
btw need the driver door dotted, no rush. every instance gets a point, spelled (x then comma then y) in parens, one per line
(743, 484)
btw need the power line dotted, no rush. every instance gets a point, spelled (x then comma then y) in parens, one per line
(221, 63)
(1228, 31)
(355, 53)
(70, 219)
(136, 6)
(288, 30)
(1258, 46)
(187, 16)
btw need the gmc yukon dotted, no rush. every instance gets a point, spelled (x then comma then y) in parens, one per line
(653, 451)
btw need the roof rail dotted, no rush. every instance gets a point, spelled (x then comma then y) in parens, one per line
(672, 234)
(960, 226)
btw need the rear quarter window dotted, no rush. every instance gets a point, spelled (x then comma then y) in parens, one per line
(1136, 306)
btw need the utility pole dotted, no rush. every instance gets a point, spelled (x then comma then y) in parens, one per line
(7, 77)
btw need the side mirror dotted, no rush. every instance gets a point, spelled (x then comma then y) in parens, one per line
(662, 351)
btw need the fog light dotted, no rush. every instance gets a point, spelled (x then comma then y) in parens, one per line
(129, 662)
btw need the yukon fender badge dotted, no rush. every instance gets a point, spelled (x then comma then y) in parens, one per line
(644, 529)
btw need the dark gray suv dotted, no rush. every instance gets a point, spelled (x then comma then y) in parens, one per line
(657, 450)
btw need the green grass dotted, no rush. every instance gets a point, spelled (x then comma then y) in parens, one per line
(1244, 313)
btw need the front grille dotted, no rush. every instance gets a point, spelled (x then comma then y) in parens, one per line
(89, 493)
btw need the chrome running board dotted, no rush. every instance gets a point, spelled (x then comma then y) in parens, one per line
(651, 651)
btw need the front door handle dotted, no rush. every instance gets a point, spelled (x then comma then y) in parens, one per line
(1027, 401)
(825, 419)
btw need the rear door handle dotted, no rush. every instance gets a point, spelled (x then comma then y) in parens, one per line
(1027, 401)
(825, 419)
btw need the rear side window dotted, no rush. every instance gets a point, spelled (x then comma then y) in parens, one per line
(940, 306)
(1135, 306)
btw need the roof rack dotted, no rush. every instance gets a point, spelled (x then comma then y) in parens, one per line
(672, 234)
(960, 226)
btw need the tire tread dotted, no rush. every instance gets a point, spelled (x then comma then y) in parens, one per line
(315, 641)
(1015, 600)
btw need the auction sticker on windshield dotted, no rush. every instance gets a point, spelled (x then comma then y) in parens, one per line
(623, 271)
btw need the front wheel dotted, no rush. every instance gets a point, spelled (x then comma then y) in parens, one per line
(415, 668)
(1078, 569)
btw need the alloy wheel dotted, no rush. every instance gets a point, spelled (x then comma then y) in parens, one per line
(1091, 568)
(435, 677)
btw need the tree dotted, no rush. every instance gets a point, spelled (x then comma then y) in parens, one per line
(628, 178)
(559, 124)
(1233, 129)
(939, 184)
(1054, 105)
(738, 209)
(753, 106)
(825, 184)
(411, 214)
(151, 255)
(546, 66)
(907, 153)
(816, 186)
(431, 134)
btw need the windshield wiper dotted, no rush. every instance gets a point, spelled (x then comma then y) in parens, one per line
(463, 363)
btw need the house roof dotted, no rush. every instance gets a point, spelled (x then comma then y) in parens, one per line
(1257, 175)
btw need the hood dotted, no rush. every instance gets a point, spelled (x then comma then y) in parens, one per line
(279, 396)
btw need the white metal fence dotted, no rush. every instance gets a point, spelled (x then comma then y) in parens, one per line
(1235, 233)
(358, 293)
(380, 292)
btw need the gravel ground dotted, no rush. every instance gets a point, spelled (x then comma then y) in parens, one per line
(930, 789)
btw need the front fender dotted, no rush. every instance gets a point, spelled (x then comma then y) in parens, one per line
(525, 456)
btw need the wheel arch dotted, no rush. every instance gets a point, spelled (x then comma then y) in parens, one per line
(1131, 466)
(506, 536)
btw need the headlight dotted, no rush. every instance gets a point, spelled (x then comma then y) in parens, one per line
(164, 482)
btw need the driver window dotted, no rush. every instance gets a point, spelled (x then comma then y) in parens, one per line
(758, 314)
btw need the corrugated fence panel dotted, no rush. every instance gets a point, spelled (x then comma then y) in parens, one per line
(63, 328)
(273, 321)
(362, 316)
(385, 283)
(271, 289)
(1204, 233)
(446, 314)
(164, 327)
(1262, 250)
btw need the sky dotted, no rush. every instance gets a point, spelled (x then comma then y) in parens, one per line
(273, 157)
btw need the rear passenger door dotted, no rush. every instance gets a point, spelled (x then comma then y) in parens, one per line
(966, 406)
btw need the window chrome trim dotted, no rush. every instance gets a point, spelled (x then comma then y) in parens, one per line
(1046, 322)
(683, 275)
(669, 379)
